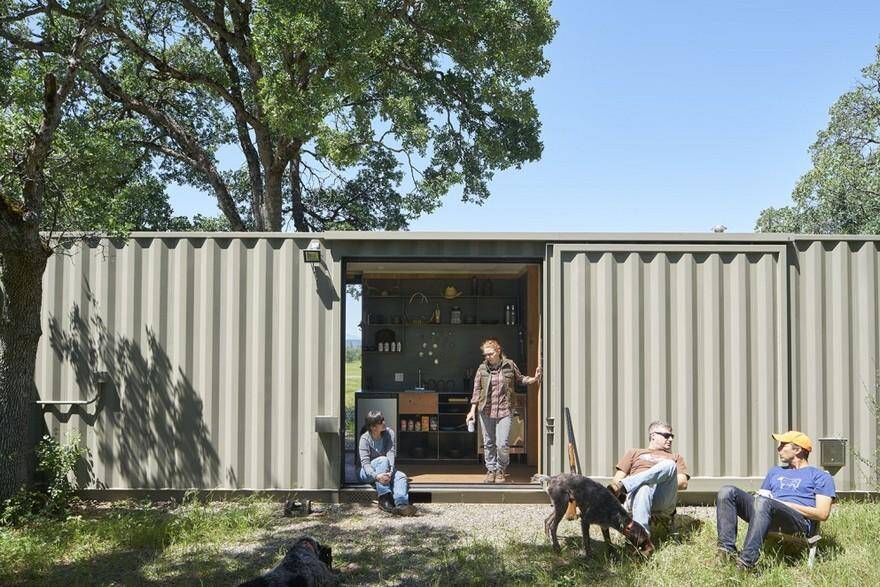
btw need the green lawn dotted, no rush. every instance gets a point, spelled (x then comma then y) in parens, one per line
(352, 384)
(223, 543)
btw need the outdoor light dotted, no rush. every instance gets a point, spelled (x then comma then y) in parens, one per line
(832, 453)
(312, 253)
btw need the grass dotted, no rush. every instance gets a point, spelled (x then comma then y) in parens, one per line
(352, 384)
(223, 543)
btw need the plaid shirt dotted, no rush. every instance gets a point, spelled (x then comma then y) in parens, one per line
(496, 400)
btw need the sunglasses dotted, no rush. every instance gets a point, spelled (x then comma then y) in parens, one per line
(666, 435)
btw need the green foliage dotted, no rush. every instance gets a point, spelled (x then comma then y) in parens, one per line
(351, 115)
(54, 493)
(871, 462)
(98, 175)
(352, 354)
(841, 193)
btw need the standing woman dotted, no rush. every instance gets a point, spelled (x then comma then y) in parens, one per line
(493, 396)
(377, 452)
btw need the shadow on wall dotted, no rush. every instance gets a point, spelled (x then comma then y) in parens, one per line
(154, 433)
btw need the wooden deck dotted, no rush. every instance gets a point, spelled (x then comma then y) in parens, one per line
(461, 473)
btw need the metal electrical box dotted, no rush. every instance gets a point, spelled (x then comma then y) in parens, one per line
(832, 452)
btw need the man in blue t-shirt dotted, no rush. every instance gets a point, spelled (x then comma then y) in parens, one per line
(792, 499)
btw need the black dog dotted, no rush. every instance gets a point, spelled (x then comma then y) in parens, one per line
(306, 564)
(597, 505)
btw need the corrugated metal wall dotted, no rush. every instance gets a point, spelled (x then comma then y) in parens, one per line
(692, 334)
(220, 353)
(835, 340)
(222, 350)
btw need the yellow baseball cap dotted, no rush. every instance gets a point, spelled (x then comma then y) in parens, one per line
(795, 437)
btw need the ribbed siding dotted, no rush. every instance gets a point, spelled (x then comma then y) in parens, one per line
(835, 346)
(220, 354)
(694, 335)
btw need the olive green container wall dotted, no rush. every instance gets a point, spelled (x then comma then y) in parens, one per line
(835, 334)
(220, 352)
(222, 349)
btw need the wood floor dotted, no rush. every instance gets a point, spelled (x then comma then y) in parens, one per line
(461, 473)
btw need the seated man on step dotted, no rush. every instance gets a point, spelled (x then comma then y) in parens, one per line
(647, 480)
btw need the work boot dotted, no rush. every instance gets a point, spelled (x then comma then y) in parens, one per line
(746, 568)
(490, 477)
(727, 556)
(386, 503)
(501, 477)
(406, 509)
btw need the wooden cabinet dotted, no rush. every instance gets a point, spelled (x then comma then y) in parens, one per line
(417, 403)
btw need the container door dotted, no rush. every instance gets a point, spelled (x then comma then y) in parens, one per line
(695, 335)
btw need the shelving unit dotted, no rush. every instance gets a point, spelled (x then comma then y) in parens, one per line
(440, 357)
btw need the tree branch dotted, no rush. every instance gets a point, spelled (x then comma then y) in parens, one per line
(197, 157)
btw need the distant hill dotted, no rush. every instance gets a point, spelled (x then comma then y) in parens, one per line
(352, 343)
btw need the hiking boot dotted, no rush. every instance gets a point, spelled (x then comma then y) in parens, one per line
(406, 509)
(618, 490)
(386, 503)
(490, 477)
(500, 477)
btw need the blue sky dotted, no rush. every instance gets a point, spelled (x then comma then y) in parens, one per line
(668, 116)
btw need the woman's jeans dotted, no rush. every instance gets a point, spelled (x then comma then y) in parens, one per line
(496, 442)
(654, 490)
(398, 485)
(763, 515)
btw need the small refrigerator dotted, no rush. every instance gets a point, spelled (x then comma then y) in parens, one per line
(365, 402)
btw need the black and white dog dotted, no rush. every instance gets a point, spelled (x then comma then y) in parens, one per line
(306, 564)
(597, 506)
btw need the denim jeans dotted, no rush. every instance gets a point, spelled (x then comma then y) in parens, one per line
(496, 442)
(399, 485)
(654, 490)
(763, 514)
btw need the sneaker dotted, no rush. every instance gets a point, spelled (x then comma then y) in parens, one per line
(490, 477)
(500, 477)
(406, 509)
(386, 503)
(618, 490)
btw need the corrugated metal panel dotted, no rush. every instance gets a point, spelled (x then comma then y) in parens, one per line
(835, 345)
(220, 353)
(692, 334)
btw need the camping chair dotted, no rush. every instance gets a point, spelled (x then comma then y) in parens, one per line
(799, 541)
(666, 520)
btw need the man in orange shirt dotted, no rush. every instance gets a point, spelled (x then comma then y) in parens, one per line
(648, 479)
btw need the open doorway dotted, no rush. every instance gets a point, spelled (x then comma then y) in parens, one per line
(421, 325)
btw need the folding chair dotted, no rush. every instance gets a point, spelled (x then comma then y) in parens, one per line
(665, 520)
(800, 541)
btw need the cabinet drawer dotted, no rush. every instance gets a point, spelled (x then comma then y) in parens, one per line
(417, 403)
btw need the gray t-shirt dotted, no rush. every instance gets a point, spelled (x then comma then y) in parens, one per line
(370, 448)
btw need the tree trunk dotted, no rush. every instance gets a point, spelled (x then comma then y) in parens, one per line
(271, 206)
(21, 276)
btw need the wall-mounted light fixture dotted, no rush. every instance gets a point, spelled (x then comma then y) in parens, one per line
(832, 453)
(312, 253)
